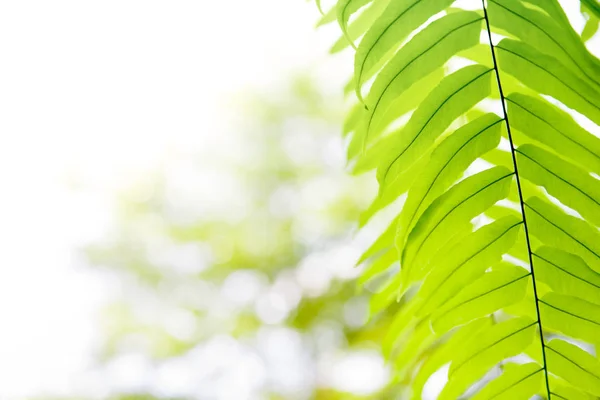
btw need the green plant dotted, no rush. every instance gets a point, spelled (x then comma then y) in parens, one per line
(487, 145)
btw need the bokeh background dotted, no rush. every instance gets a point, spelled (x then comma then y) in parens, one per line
(176, 218)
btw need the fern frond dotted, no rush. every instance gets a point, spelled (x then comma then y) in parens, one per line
(498, 237)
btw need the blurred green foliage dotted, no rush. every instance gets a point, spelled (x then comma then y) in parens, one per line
(289, 235)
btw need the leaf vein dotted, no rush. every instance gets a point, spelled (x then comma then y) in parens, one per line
(567, 272)
(516, 383)
(550, 73)
(569, 313)
(564, 231)
(549, 37)
(446, 164)
(409, 63)
(554, 128)
(468, 259)
(458, 205)
(483, 294)
(573, 362)
(559, 177)
(359, 77)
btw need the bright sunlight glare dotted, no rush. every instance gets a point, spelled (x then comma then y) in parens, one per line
(96, 94)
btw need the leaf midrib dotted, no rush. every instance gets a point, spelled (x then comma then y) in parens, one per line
(521, 200)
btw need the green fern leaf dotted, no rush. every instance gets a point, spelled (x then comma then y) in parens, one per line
(398, 20)
(574, 365)
(572, 316)
(493, 291)
(519, 382)
(555, 228)
(447, 163)
(555, 129)
(567, 274)
(492, 149)
(548, 76)
(501, 341)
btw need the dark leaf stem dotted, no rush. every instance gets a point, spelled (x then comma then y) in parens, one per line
(521, 201)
